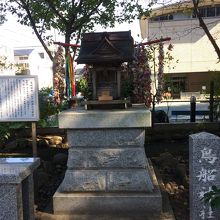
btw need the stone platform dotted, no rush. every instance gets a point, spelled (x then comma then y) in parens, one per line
(108, 173)
(126, 204)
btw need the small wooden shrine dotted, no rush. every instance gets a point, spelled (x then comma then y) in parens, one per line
(104, 52)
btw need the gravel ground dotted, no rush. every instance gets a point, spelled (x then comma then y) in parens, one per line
(171, 159)
(164, 154)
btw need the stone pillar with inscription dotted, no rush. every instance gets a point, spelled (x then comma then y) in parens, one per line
(108, 173)
(204, 163)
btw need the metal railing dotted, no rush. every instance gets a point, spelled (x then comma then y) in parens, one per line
(211, 113)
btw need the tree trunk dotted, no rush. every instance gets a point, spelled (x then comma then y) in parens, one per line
(67, 41)
(31, 19)
(153, 111)
(43, 44)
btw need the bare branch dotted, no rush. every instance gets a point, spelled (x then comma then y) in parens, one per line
(204, 27)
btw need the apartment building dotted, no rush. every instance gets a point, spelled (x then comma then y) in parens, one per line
(34, 61)
(196, 56)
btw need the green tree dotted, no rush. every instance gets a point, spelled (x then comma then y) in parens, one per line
(2, 15)
(71, 17)
(2, 18)
(4, 63)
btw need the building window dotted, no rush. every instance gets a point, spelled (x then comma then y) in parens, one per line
(208, 12)
(211, 12)
(25, 65)
(23, 58)
(41, 55)
(217, 11)
(163, 18)
(178, 84)
(22, 69)
(204, 11)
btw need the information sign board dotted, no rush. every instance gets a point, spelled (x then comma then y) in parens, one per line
(19, 98)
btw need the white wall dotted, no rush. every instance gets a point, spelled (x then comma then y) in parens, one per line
(191, 46)
(42, 67)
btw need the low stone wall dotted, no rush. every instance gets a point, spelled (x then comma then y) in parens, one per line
(180, 130)
(160, 131)
(157, 127)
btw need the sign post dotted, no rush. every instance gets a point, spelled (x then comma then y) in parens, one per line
(19, 101)
(34, 138)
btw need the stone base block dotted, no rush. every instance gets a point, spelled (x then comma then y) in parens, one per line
(106, 181)
(135, 117)
(102, 138)
(107, 203)
(124, 204)
(93, 158)
(149, 216)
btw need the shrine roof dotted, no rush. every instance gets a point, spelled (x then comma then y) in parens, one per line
(23, 52)
(106, 47)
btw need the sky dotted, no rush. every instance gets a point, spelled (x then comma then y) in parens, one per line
(14, 34)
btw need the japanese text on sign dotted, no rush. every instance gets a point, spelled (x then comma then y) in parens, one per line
(18, 98)
(206, 175)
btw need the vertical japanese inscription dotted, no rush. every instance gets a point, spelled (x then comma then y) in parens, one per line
(204, 173)
(18, 98)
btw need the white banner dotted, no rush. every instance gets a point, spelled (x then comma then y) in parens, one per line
(19, 98)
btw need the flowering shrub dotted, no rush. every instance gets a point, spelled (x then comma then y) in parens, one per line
(141, 77)
(59, 76)
(160, 86)
(148, 73)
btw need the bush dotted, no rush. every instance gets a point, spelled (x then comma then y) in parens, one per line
(7, 128)
(48, 108)
(48, 116)
(213, 197)
(83, 87)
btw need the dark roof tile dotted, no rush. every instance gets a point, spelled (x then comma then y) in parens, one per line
(106, 47)
(23, 52)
